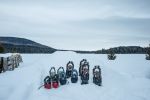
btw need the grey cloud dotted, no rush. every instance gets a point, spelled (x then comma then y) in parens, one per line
(74, 22)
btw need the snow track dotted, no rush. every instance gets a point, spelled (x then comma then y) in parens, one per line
(126, 78)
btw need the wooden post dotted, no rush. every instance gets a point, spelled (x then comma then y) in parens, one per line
(1, 64)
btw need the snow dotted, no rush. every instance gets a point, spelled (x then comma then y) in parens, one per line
(126, 78)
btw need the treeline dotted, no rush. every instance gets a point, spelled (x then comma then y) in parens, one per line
(1, 49)
(11, 48)
(120, 50)
(21, 45)
(124, 50)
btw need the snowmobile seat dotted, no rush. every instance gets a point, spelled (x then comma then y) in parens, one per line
(74, 76)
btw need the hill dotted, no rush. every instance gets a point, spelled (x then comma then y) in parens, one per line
(22, 45)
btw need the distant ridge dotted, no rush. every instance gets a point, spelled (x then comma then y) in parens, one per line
(22, 45)
(120, 50)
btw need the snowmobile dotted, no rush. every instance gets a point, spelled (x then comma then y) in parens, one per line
(85, 74)
(47, 82)
(69, 68)
(81, 64)
(62, 76)
(97, 79)
(74, 76)
(54, 77)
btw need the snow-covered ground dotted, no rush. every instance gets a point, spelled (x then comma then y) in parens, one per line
(126, 78)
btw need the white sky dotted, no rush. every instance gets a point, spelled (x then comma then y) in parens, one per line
(77, 24)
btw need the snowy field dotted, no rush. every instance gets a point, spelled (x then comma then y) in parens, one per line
(126, 78)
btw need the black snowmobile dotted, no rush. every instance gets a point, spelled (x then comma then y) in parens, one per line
(74, 76)
(97, 78)
(81, 64)
(62, 76)
(54, 77)
(69, 68)
(85, 74)
(47, 82)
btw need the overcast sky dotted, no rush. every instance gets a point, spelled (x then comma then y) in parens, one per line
(77, 24)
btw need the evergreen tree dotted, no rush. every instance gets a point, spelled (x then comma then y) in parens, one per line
(1, 49)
